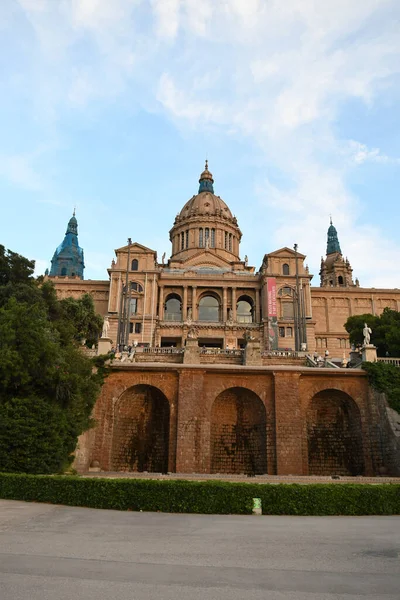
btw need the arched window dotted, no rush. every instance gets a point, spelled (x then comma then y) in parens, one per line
(244, 310)
(201, 242)
(134, 265)
(173, 308)
(209, 309)
(136, 287)
(340, 280)
(182, 240)
(226, 240)
(230, 242)
(285, 269)
(206, 236)
(187, 238)
(212, 238)
(63, 272)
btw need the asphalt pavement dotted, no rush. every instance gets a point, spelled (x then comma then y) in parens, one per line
(62, 553)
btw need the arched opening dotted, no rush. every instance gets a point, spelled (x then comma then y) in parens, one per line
(173, 308)
(63, 272)
(238, 433)
(340, 280)
(285, 269)
(335, 445)
(141, 431)
(244, 310)
(134, 265)
(209, 309)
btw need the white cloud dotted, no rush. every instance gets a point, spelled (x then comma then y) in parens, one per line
(276, 72)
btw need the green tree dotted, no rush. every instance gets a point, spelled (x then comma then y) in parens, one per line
(44, 374)
(385, 331)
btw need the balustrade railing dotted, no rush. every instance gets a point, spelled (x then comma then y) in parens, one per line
(390, 361)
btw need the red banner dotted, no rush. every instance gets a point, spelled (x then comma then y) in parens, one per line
(271, 287)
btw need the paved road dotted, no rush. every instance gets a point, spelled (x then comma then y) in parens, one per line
(60, 553)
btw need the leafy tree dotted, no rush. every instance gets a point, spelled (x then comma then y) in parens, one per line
(46, 381)
(385, 378)
(385, 331)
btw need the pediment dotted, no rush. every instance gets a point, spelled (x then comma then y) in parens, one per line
(136, 248)
(285, 252)
(207, 260)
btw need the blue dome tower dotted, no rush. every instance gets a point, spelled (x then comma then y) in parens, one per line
(68, 260)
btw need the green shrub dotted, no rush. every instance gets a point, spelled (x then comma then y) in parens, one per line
(207, 497)
(385, 378)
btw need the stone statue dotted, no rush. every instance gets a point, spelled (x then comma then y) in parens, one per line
(230, 316)
(246, 260)
(189, 316)
(106, 327)
(367, 334)
(163, 258)
(207, 243)
(248, 336)
(192, 333)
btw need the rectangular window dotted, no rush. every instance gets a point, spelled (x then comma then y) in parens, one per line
(206, 236)
(182, 240)
(289, 332)
(281, 332)
(138, 328)
(287, 310)
(133, 306)
(212, 238)
(230, 242)
(130, 327)
(226, 241)
(187, 238)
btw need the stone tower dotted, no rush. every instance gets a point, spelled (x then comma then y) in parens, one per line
(335, 270)
(68, 260)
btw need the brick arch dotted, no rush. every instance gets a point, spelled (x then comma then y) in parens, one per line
(238, 433)
(140, 439)
(334, 434)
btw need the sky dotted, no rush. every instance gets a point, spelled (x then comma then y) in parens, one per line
(112, 107)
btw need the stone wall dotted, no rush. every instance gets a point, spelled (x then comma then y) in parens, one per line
(238, 419)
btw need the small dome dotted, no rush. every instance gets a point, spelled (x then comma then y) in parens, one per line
(206, 202)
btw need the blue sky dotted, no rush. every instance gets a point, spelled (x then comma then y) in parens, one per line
(112, 107)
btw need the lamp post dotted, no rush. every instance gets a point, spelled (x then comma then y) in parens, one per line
(123, 327)
(297, 327)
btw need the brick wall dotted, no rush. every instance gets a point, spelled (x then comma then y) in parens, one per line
(231, 419)
(334, 435)
(238, 433)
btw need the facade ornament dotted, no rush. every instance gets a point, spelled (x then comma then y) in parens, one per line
(192, 333)
(230, 317)
(248, 335)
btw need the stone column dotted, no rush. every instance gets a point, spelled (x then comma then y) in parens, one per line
(289, 424)
(193, 431)
(234, 304)
(161, 303)
(184, 303)
(224, 304)
(194, 302)
(257, 314)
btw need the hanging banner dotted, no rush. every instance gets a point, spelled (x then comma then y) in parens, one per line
(272, 314)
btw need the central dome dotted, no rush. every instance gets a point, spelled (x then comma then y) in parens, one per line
(206, 203)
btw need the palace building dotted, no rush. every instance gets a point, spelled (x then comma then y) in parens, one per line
(207, 386)
(206, 283)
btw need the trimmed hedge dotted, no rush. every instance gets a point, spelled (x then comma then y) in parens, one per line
(207, 497)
